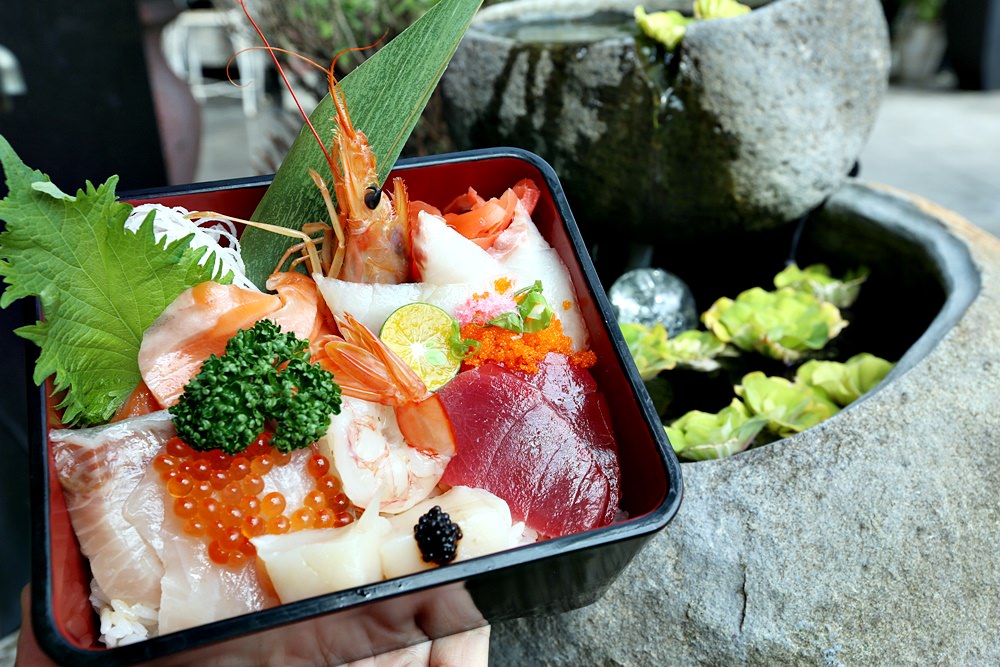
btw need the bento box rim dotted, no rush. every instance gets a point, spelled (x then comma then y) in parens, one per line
(42, 617)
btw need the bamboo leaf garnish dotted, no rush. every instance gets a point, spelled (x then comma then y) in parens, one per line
(385, 96)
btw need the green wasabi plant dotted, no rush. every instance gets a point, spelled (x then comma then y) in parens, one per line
(844, 382)
(816, 279)
(782, 325)
(718, 9)
(669, 27)
(788, 407)
(653, 351)
(698, 436)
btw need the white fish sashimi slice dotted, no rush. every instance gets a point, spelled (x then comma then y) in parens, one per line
(194, 589)
(197, 591)
(369, 303)
(372, 303)
(523, 251)
(519, 253)
(98, 469)
(443, 256)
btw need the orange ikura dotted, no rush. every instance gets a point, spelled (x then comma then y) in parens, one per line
(220, 498)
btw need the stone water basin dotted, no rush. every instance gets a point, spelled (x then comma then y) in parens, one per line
(751, 122)
(869, 539)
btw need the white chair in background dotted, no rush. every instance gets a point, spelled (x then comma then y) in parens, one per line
(208, 38)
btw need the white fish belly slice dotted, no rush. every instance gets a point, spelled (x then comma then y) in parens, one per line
(98, 469)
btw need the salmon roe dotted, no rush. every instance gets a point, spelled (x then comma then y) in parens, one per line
(221, 498)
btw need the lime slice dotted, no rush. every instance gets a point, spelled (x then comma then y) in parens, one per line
(420, 333)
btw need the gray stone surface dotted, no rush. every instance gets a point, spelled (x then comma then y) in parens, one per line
(871, 539)
(942, 144)
(755, 121)
(796, 86)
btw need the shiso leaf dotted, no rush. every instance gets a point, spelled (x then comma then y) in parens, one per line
(782, 325)
(816, 279)
(385, 96)
(845, 382)
(788, 407)
(100, 286)
(699, 436)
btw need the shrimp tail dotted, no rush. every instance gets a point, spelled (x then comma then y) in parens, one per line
(365, 368)
(427, 427)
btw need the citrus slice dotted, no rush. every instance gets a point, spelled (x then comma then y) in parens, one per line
(420, 333)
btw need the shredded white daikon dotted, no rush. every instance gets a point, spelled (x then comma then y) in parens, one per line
(219, 236)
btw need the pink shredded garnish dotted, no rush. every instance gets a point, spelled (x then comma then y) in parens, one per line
(481, 308)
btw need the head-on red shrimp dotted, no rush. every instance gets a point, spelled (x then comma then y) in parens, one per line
(371, 228)
(365, 368)
(392, 439)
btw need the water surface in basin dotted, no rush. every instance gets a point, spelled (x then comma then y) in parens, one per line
(563, 28)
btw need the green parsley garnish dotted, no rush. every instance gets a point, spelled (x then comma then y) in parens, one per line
(263, 382)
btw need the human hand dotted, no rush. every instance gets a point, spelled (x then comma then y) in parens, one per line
(466, 649)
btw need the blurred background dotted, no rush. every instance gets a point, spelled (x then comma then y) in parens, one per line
(77, 79)
(156, 71)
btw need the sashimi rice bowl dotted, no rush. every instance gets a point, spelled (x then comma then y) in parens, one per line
(427, 379)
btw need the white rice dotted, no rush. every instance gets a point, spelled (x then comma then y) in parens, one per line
(219, 236)
(123, 623)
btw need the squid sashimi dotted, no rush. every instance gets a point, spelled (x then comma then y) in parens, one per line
(541, 442)
(371, 304)
(519, 253)
(99, 468)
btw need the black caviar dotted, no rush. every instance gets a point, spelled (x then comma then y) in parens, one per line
(437, 536)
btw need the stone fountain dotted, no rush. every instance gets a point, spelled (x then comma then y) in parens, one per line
(872, 538)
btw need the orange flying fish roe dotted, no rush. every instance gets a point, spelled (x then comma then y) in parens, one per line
(501, 285)
(522, 352)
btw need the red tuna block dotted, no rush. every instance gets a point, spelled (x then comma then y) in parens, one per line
(541, 442)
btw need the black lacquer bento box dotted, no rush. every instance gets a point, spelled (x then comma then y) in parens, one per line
(545, 577)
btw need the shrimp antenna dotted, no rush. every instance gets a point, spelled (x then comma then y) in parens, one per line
(281, 72)
(336, 93)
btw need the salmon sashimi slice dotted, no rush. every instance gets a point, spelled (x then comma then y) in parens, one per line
(195, 326)
(98, 469)
(541, 442)
(302, 311)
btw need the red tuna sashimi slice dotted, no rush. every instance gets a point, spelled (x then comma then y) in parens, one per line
(543, 443)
